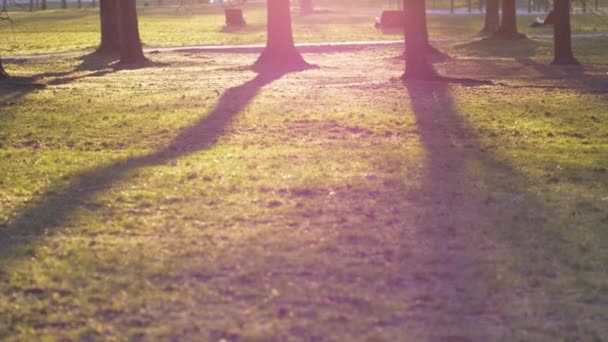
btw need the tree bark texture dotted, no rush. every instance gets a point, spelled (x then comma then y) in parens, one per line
(562, 41)
(131, 51)
(110, 40)
(417, 65)
(508, 24)
(3, 73)
(280, 51)
(492, 17)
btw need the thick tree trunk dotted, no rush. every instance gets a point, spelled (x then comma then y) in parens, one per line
(280, 51)
(131, 51)
(508, 24)
(110, 40)
(417, 65)
(3, 74)
(562, 45)
(492, 18)
(306, 7)
(429, 48)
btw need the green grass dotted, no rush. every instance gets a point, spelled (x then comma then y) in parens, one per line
(66, 30)
(192, 200)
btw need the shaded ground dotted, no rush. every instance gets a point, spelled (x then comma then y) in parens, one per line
(194, 199)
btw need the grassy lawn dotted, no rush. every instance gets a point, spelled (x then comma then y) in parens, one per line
(195, 200)
(65, 30)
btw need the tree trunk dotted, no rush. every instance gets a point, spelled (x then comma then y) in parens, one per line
(79, 3)
(64, 4)
(110, 40)
(44, 5)
(417, 65)
(31, 5)
(429, 48)
(131, 51)
(508, 24)
(306, 7)
(3, 74)
(492, 18)
(280, 51)
(562, 45)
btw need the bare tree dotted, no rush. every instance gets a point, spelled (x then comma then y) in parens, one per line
(280, 51)
(108, 14)
(562, 40)
(417, 64)
(4, 17)
(508, 24)
(131, 51)
(3, 74)
(492, 17)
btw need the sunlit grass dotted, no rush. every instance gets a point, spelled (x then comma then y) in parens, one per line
(73, 29)
(336, 203)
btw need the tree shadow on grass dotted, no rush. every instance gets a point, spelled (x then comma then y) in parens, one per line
(19, 86)
(542, 75)
(49, 213)
(496, 48)
(93, 64)
(14, 88)
(575, 77)
(497, 250)
(99, 64)
(462, 307)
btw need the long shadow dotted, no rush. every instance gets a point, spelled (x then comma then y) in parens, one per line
(524, 53)
(92, 65)
(444, 189)
(17, 87)
(466, 212)
(572, 77)
(49, 213)
(96, 64)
